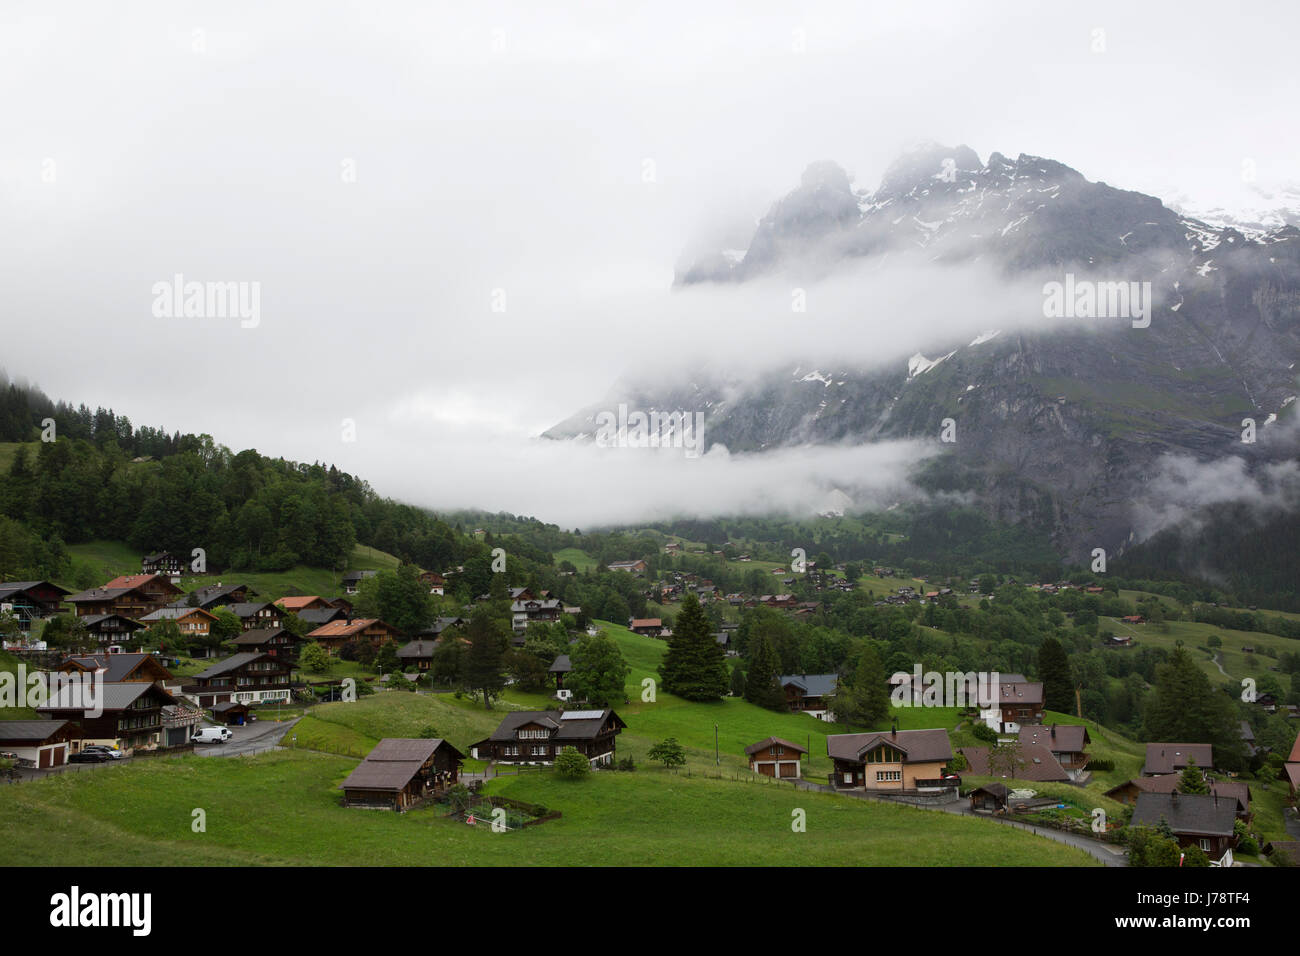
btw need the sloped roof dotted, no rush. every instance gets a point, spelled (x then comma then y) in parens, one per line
(261, 635)
(562, 665)
(916, 745)
(33, 731)
(9, 588)
(1186, 813)
(173, 613)
(116, 667)
(812, 685)
(1167, 783)
(394, 762)
(139, 580)
(229, 664)
(1171, 758)
(1036, 763)
(417, 649)
(764, 744)
(111, 696)
(1015, 692)
(1059, 738)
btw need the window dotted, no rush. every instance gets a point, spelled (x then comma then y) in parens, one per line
(1205, 845)
(778, 750)
(512, 751)
(886, 776)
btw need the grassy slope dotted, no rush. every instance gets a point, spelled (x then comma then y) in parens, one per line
(283, 808)
(108, 559)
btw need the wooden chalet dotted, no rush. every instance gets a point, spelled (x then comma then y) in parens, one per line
(808, 693)
(167, 563)
(417, 655)
(900, 760)
(775, 757)
(632, 567)
(32, 600)
(1065, 741)
(247, 678)
(192, 621)
(1128, 792)
(352, 580)
(120, 596)
(1019, 702)
(275, 641)
(400, 772)
(213, 596)
(1206, 821)
(296, 604)
(436, 583)
(105, 629)
(1035, 763)
(1164, 758)
(534, 611)
(537, 736)
(126, 715)
(335, 634)
(119, 668)
(316, 617)
(647, 626)
(258, 615)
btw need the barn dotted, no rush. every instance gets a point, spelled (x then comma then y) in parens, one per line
(775, 757)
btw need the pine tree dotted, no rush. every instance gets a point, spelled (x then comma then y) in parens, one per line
(484, 665)
(695, 666)
(1054, 669)
(762, 686)
(1192, 780)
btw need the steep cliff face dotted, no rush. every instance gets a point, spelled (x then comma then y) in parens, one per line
(1058, 427)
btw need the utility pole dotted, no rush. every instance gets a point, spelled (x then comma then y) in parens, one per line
(717, 756)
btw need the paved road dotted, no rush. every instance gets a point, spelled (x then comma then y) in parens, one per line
(251, 738)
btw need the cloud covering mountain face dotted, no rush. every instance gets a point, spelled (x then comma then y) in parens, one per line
(931, 309)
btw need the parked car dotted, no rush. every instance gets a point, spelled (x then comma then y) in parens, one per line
(89, 756)
(213, 735)
(111, 752)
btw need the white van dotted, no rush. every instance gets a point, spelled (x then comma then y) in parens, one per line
(213, 735)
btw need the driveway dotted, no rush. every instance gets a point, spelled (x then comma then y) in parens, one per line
(257, 737)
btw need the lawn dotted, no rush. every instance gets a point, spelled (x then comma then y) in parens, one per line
(108, 559)
(283, 808)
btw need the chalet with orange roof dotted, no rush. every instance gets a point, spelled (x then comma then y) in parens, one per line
(335, 634)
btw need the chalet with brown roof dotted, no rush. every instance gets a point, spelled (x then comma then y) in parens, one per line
(401, 772)
(1174, 758)
(259, 615)
(126, 715)
(1065, 741)
(245, 678)
(537, 736)
(132, 601)
(105, 629)
(170, 564)
(900, 760)
(334, 635)
(1019, 702)
(1033, 762)
(648, 626)
(275, 641)
(809, 693)
(32, 600)
(155, 587)
(1206, 821)
(1235, 790)
(775, 757)
(632, 567)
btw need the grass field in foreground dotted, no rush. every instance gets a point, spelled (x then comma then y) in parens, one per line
(283, 808)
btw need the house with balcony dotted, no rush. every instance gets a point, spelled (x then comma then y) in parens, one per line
(126, 715)
(275, 641)
(109, 629)
(1019, 702)
(809, 693)
(1202, 820)
(30, 601)
(335, 634)
(249, 677)
(1065, 742)
(1162, 758)
(192, 621)
(538, 736)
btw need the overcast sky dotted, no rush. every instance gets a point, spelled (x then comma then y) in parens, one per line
(389, 175)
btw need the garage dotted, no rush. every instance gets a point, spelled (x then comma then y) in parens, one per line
(42, 743)
(775, 757)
